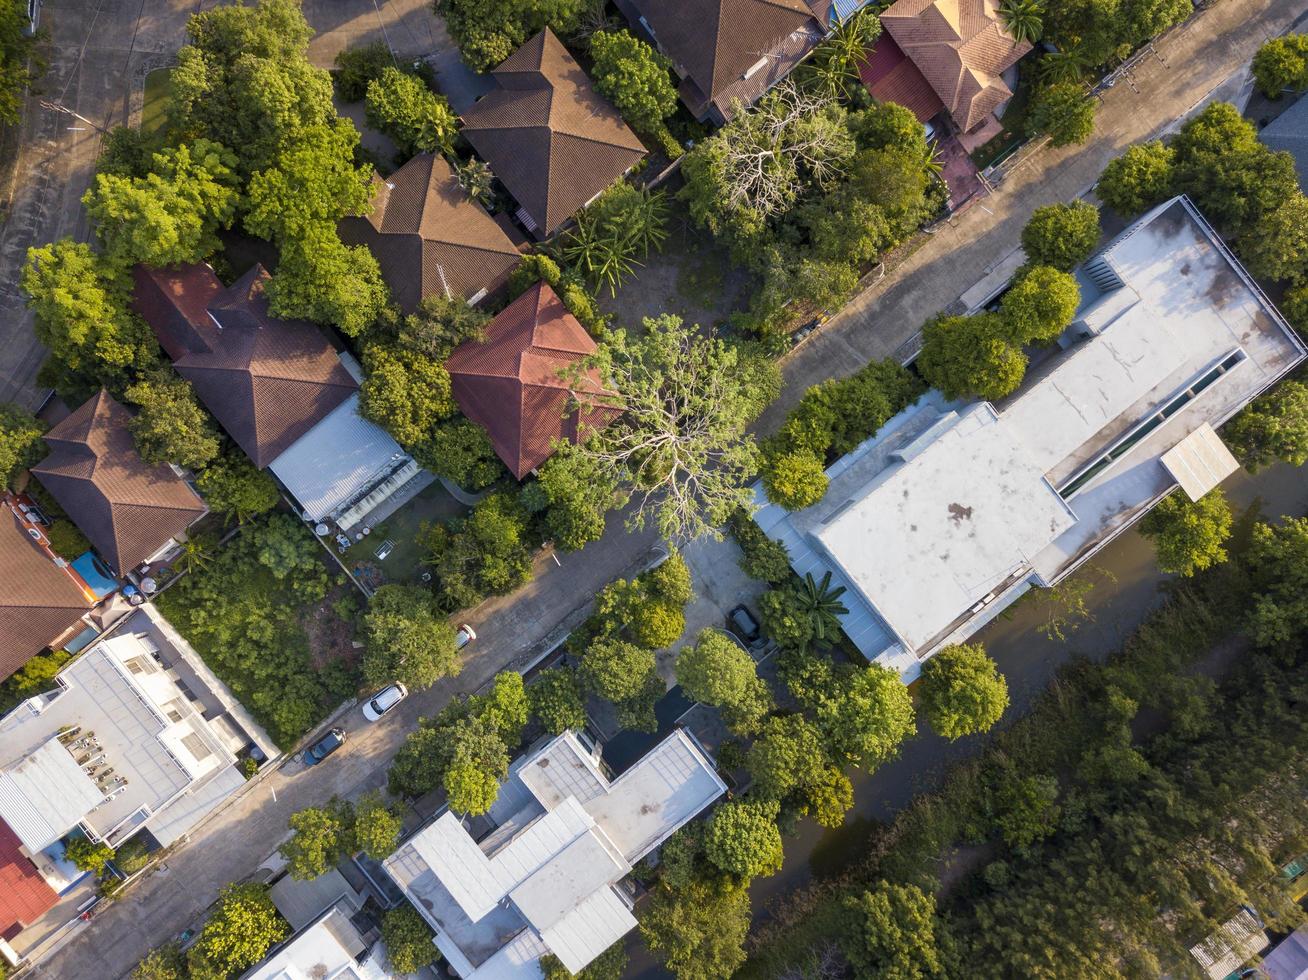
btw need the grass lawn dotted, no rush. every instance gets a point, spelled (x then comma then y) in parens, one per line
(1014, 123)
(155, 110)
(434, 505)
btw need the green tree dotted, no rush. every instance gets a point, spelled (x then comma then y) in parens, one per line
(405, 393)
(1062, 111)
(170, 426)
(624, 223)
(794, 480)
(682, 444)
(478, 761)
(1273, 427)
(1188, 534)
(323, 280)
(233, 486)
(243, 926)
(1061, 235)
(743, 840)
(609, 965)
(308, 186)
(34, 677)
(405, 639)
(377, 826)
(20, 441)
(488, 35)
(968, 356)
(670, 580)
(172, 214)
(460, 450)
(81, 311)
(866, 716)
(87, 855)
(635, 77)
(411, 114)
(718, 672)
(483, 554)
(1138, 179)
(164, 962)
(1281, 64)
(573, 494)
(409, 941)
(892, 933)
(504, 707)
(784, 618)
(1278, 247)
(1024, 19)
(1232, 176)
(558, 700)
(1278, 565)
(322, 837)
(656, 623)
(356, 67)
(1024, 808)
(440, 325)
(828, 797)
(1040, 305)
(764, 559)
(698, 931)
(962, 691)
(66, 539)
(21, 60)
(786, 756)
(616, 670)
(820, 604)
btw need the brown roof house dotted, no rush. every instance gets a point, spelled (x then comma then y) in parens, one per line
(278, 388)
(512, 383)
(551, 139)
(130, 511)
(430, 237)
(266, 382)
(729, 50)
(41, 599)
(961, 47)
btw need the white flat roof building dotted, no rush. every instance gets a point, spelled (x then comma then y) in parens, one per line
(129, 737)
(953, 510)
(543, 879)
(329, 948)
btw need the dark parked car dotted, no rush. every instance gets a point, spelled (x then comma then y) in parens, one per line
(742, 622)
(324, 747)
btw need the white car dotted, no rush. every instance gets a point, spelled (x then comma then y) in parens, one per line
(465, 635)
(384, 700)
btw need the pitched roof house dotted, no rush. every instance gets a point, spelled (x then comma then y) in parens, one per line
(430, 237)
(129, 510)
(891, 76)
(961, 47)
(512, 384)
(266, 381)
(729, 50)
(546, 877)
(40, 601)
(551, 139)
(24, 894)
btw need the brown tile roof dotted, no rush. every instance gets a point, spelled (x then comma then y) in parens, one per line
(126, 508)
(39, 601)
(266, 381)
(714, 43)
(552, 140)
(961, 47)
(430, 237)
(510, 383)
(24, 895)
(890, 76)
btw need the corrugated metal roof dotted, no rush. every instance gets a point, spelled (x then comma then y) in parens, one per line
(43, 796)
(589, 929)
(178, 817)
(337, 460)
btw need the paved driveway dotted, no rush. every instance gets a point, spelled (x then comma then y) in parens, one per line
(100, 50)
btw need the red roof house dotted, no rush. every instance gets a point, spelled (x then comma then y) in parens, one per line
(889, 75)
(512, 383)
(24, 895)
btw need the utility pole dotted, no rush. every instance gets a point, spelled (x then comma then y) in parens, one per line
(60, 107)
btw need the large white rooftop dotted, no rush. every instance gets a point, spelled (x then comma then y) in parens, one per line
(543, 879)
(952, 510)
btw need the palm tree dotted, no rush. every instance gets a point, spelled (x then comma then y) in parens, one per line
(1062, 66)
(195, 554)
(822, 605)
(475, 178)
(835, 64)
(1023, 18)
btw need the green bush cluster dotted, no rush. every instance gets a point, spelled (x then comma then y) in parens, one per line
(570, 286)
(1282, 65)
(244, 613)
(831, 419)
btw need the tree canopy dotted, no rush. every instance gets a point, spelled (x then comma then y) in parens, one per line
(233, 486)
(170, 426)
(718, 672)
(21, 60)
(1138, 179)
(1273, 427)
(488, 35)
(20, 441)
(321, 837)
(411, 114)
(410, 945)
(1063, 111)
(1282, 65)
(962, 691)
(892, 933)
(1039, 305)
(1061, 235)
(743, 840)
(243, 926)
(1189, 534)
(406, 640)
(971, 356)
(635, 77)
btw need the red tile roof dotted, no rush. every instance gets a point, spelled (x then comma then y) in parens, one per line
(39, 601)
(511, 385)
(266, 381)
(24, 895)
(550, 137)
(961, 48)
(127, 509)
(430, 237)
(889, 75)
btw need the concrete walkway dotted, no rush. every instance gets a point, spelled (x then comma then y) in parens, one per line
(1201, 61)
